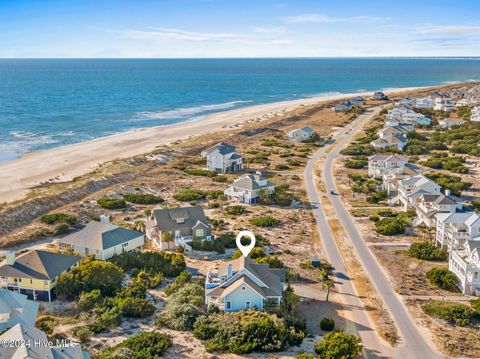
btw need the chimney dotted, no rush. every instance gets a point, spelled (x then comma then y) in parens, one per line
(104, 218)
(229, 271)
(447, 192)
(10, 258)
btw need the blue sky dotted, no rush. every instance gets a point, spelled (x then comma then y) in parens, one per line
(238, 28)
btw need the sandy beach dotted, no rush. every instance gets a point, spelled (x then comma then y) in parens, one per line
(67, 162)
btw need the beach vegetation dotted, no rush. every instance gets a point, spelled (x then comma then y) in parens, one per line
(454, 313)
(200, 172)
(190, 194)
(139, 198)
(169, 264)
(338, 345)
(266, 221)
(358, 150)
(443, 161)
(427, 251)
(450, 182)
(145, 345)
(235, 210)
(56, 218)
(327, 324)
(390, 226)
(112, 203)
(442, 278)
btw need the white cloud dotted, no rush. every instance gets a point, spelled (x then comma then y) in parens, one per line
(176, 34)
(270, 30)
(450, 30)
(320, 18)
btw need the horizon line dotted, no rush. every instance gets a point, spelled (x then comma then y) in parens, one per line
(242, 58)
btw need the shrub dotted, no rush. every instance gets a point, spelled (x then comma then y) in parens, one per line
(146, 345)
(190, 194)
(355, 164)
(427, 251)
(208, 246)
(135, 307)
(377, 197)
(235, 210)
(475, 303)
(88, 276)
(111, 203)
(281, 167)
(264, 221)
(55, 218)
(327, 324)
(83, 333)
(390, 226)
(200, 172)
(304, 356)
(454, 313)
(338, 345)
(142, 198)
(374, 218)
(89, 300)
(452, 183)
(220, 179)
(168, 263)
(106, 318)
(245, 332)
(442, 277)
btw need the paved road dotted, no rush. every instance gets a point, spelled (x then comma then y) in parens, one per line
(413, 344)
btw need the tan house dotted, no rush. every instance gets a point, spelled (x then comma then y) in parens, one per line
(35, 273)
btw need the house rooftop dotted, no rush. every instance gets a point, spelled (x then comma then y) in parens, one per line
(100, 236)
(222, 147)
(18, 307)
(39, 264)
(251, 182)
(167, 219)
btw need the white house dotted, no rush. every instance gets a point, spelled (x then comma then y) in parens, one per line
(379, 96)
(427, 206)
(102, 239)
(242, 284)
(454, 229)
(445, 104)
(475, 114)
(301, 134)
(15, 308)
(450, 122)
(248, 187)
(424, 102)
(413, 187)
(30, 342)
(169, 228)
(465, 264)
(223, 158)
(357, 101)
(399, 142)
(378, 164)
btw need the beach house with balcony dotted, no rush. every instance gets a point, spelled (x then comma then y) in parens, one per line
(475, 116)
(301, 134)
(408, 116)
(465, 264)
(455, 229)
(102, 239)
(379, 164)
(16, 309)
(248, 188)
(379, 96)
(450, 122)
(412, 187)
(223, 158)
(398, 142)
(170, 228)
(445, 104)
(35, 273)
(424, 102)
(30, 342)
(242, 284)
(427, 206)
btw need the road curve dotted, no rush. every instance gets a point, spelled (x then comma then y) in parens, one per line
(413, 344)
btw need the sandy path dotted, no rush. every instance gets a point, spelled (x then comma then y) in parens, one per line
(65, 163)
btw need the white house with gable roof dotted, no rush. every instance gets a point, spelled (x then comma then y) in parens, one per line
(465, 264)
(223, 158)
(247, 188)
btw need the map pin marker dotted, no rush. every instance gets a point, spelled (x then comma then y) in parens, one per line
(245, 249)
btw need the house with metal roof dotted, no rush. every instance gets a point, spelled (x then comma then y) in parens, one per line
(169, 228)
(102, 239)
(223, 158)
(455, 229)
(35, 273)
(16, 309)
(378, 164)
(247, 188)
(242, 284)
(30, 342)
(301, 134)
(427, 206)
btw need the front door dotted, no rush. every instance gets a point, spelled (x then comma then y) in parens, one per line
(248, 305)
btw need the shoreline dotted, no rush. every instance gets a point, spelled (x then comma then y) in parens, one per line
(61, 164)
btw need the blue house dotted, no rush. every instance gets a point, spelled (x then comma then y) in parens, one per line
(242, 284)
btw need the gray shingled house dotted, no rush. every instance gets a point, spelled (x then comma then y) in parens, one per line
(169, 228)
(102, 239)
(223, 158)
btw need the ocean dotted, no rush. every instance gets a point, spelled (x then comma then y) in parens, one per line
(47, 103)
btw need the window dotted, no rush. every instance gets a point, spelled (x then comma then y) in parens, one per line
(180, 220)
(229, 305)
(248, 305)
(243, 288)
(475, 275)
(199, 233)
